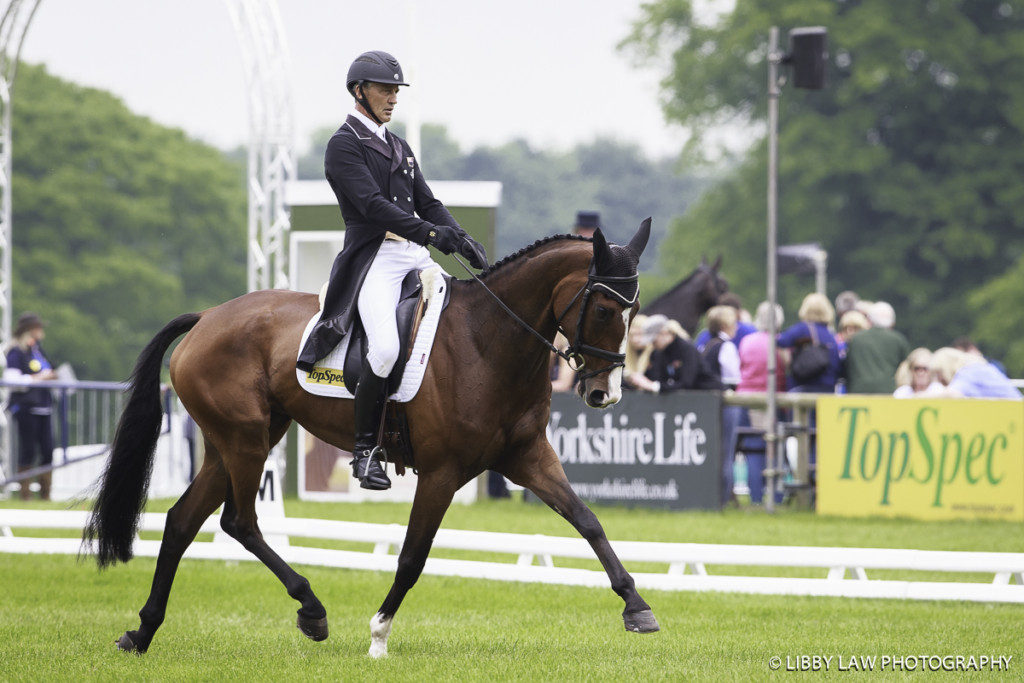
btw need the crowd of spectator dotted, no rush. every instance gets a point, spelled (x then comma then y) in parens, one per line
(863, 353)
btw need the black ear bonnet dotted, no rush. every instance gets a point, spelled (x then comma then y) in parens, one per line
(613, 270)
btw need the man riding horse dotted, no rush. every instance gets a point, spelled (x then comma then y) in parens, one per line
(390, 217)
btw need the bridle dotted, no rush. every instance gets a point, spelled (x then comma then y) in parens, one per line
(573, 354)
(576, 349)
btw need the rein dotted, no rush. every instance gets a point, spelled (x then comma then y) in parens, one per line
(573, 355)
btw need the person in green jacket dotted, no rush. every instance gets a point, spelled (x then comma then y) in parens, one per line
(873, 355)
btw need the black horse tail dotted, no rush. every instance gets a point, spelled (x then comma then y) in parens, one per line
(125, 481)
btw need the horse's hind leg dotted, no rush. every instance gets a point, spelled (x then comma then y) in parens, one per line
(202, 497)
(539, 470)
(245, 468)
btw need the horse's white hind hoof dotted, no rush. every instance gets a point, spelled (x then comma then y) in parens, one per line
(380, 629)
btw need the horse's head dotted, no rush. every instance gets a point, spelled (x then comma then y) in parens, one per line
(714, 285)
(595, 316)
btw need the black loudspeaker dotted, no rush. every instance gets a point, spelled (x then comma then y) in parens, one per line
(808, 54)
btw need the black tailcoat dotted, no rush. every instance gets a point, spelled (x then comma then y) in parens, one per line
(378, 185)
(680, 366)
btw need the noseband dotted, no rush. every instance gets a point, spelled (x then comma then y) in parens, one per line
(573, 355)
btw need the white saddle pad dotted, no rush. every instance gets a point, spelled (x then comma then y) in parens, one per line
(327, 378)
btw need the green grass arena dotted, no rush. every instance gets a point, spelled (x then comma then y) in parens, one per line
(59, 616)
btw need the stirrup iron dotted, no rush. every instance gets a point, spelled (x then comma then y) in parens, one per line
(367, 468)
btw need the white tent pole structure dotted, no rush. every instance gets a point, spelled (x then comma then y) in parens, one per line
(271, 143)
(771, 429)
(13, 26)
(17, 16)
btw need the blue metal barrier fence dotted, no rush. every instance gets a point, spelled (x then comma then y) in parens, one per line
(85, 416)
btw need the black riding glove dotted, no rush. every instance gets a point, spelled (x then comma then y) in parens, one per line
(449, 240)
(473, 252)
(445, 239)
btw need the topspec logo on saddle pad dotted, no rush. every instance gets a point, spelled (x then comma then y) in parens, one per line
(335, 378)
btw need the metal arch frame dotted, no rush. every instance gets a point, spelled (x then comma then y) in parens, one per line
(271, 163)
(17, 16)
(13, 26)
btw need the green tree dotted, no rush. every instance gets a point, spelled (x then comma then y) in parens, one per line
(905, 167)
(310, 164)
(120, 224)
(998, 328)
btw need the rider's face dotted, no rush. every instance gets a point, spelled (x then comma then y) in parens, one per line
(382, 99)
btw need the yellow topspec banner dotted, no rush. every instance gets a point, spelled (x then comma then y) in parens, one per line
(928, 459)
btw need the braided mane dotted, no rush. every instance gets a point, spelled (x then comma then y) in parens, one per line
(526, 250)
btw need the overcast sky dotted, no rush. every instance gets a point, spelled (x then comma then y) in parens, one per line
(546, 70)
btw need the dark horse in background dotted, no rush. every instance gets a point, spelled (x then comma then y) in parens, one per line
(484, 404)
(691, 298)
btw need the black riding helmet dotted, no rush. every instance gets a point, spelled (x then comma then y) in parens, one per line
(375, 66)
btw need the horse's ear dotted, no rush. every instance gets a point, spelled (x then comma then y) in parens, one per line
(703, 259)
(602, 252)
(639, 241)
(718, 263)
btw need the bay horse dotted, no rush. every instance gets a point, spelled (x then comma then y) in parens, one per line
(692, 296)
(484, 404)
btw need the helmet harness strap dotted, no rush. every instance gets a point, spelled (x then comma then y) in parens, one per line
(365, 103)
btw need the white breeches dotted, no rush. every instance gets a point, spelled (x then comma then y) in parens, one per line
(379, 297)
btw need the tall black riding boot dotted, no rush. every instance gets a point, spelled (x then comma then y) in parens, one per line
(367, 454)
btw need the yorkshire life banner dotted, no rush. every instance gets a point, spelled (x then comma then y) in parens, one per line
(927, 459)
(652, 451)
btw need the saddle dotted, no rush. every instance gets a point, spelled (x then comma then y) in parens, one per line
(412, 310)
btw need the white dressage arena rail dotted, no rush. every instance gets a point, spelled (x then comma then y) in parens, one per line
(1007, 568)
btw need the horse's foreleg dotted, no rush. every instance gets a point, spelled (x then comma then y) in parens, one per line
(434, 494)
(539, 470)
(198, 502)
(239, 521)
